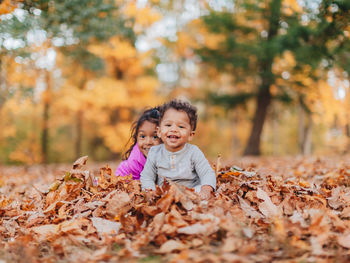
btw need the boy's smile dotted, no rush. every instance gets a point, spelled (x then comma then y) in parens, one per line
(175, 130)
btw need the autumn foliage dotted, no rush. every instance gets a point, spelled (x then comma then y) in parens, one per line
(273, 209)
(72, 84)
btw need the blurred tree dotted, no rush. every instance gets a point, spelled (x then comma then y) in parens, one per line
(72, 26)
(254, 35)
(13, 28)
(98, 76)
(7, 6)
(18, 113)
(337, 15)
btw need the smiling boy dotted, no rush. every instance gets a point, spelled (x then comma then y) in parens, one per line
(176, 159)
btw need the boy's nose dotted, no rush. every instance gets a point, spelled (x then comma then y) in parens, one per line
(173, 128)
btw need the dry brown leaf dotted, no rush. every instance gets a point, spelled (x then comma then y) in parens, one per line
(249, 211)
(344, 240)
(104, 226)
(170, 246)
(334, 201)
(46, 231)
(157, 223)
(314, 222)
(267, 208)
(231, 244)
(73, 226)
(346, 212)
(198, 229)
(117, 202)
(78, 164)
(165, 201)
(174, 218)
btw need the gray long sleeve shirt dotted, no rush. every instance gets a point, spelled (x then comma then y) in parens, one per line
(188, 167)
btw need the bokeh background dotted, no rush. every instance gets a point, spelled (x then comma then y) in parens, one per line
(269, 77)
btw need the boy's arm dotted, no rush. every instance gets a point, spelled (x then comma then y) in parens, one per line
(205, 172)
(149, 173)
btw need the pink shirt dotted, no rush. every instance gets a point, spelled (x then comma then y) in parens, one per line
(133, 165)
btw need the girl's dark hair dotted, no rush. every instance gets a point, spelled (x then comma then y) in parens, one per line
(151, 115)
(181, 106)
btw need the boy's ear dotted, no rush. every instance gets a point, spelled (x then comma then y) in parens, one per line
(158, 131)
(191, 135)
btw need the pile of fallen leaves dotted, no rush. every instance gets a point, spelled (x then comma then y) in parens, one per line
(273, 210)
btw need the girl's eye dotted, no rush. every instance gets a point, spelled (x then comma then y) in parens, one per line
(142, 136)
(155, 137)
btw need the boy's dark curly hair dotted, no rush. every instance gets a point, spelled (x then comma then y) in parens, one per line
(180, 106)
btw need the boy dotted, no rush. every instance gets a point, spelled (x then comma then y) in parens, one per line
(176, 159)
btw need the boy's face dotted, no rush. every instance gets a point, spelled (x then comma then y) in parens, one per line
(175, 130)
(147, 137)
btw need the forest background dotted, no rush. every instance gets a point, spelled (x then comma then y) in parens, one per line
(268, 77)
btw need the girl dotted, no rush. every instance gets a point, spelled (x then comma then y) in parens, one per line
(143, 136)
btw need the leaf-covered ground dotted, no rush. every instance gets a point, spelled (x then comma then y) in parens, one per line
(264, 210)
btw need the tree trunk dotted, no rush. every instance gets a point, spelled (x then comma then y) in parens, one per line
(79, 125)
(304, 131)
(301, 127)
(45, 120)
(347, 133)
(3, 84)
(263, 102)
(234, 134)
(264, 96)
(276, 131)
(308, 137)
(79, 135)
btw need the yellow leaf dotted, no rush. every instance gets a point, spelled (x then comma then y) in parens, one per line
(7, 6)
(213, 41)
(304, 184)
(9, 131)
(185, 43)
(54, 186)
(144, 16)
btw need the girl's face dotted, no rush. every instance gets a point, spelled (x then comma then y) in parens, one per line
(147, 136)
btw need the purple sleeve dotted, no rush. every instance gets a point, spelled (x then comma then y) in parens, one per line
(133, 165)
(123, 169)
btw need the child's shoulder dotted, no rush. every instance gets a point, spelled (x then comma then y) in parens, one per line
(193, 148)
(194, 151)
(155, 149)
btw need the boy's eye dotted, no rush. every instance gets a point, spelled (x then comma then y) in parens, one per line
(181, 127)
(167, 125)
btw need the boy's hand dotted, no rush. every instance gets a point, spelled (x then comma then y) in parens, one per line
(205, 192)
